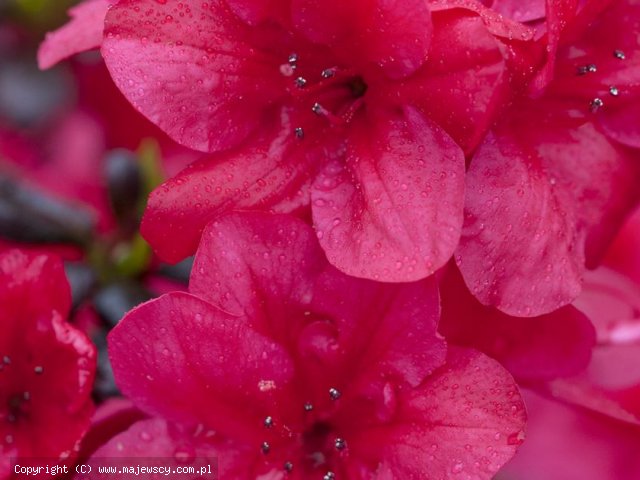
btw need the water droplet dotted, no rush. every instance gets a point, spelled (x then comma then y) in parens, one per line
(39, 370)
(288, 466)
(265, 447)
(457, 467)
(613, 91)
(184, 455)
(340, 444)
(328, 73)
(308, 407)
(299, 132)
(6, 360)
(329, 476)
(300, 82)
(268, 422)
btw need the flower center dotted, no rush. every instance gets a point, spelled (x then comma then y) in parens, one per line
(333, 94)
(315, 451)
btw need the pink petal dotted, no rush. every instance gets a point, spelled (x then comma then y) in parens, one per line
(157, 443)
(32, 286)
(623, 124)
(258, 264)
(82, 33)
(449, 427)
(464, 81)
(384, 331)
(195, 74)
(565, 442)
(555, 345)
(540, 203)
(228, 376)
(392, 34)
(392, 210)
(270, 268)
(264, 174)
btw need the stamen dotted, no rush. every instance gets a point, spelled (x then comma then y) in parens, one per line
(596, 104)
(334, 393)
(584, 69)
(328, 72)
(619, 54)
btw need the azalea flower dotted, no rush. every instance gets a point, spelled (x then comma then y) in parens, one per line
(282, 366)
(552, 183)
(46, 365)
(357, 111)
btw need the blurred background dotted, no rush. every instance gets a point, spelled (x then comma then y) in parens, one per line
(77, 163)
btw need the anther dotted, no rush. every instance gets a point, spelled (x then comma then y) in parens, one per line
(619, 54)
(38, 370)
(308, 407)
(584, 69)
(340, 444)
(329, 476)
(268, 422)
(334, 393)
(299, 132)
(300, 82)
(596, 104)
(613, 91)
(265, 447)
(328, 73)
(288, 466)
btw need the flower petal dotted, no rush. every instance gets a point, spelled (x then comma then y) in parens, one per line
(158, 443)
(392, 34)
(540, 203)
(450, 426)
(82, 33)
(392, 211)
(196, 74)
(542, 348)
(565, 442)
(264, 174)
(464, 81)
(230, 374)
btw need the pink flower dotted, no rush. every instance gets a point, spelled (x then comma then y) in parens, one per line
(299, 368)
(46, 365)
(551, 184)
(359, 111)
